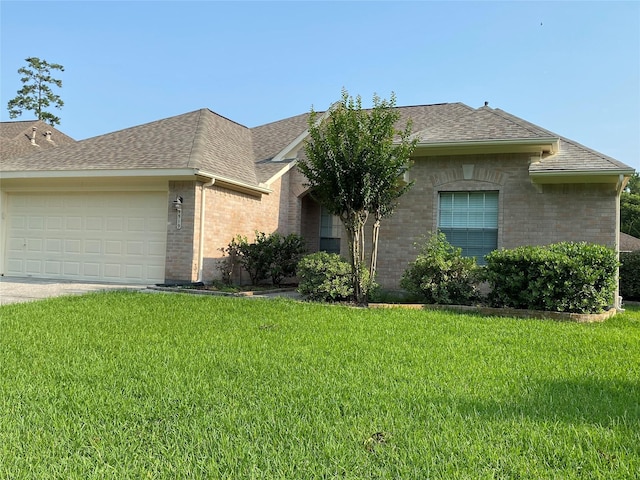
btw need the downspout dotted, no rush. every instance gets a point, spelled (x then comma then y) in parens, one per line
(203, 197)
(617, 301)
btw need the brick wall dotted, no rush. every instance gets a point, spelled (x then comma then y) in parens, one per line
(181, 262)
(528, 214)
(229, 213)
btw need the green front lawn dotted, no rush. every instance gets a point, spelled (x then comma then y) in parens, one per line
(136, 385)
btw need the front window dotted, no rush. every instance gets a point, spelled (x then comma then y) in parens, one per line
(329, 232)
(470, 221)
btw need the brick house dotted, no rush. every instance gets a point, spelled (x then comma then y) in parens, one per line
(156, 202)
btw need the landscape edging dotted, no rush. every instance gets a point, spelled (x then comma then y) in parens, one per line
(248, 293)
(490, 311)
(508, 312)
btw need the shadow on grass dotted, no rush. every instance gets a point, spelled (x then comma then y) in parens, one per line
(587, 401)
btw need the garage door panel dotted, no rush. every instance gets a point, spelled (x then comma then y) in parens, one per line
(112, 270)
(35, 224)
(91, 270)
(93, 246)
(114, 224)
(73, 223)
(111, 236)
(135, 248)
(54, 224)
(34, 245)
(15, 245)
(33, 267)
(53, 245)
(94, 224)
(52, 267)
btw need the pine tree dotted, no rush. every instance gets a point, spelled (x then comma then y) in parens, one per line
(36, 94)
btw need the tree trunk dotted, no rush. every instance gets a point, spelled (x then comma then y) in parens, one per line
(354, 227)
(374, 250)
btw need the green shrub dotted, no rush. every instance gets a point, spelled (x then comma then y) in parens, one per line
(563, 277)
(271, 256)
(630, 275)
(325, 277)
(254, 257)
(440, 274)
(286, 252)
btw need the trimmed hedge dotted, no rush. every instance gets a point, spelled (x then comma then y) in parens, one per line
(273, 255)
(563, 277)
(630, 275)
(325, 277)
(440, 274)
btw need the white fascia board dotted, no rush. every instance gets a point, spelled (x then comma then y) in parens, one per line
(291, 148)
(236, 184)
(295, 145)
(281, 172)
(155, 172)
(579, 176)
(550, 144)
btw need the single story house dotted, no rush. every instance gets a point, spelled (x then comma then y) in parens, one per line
(155, 203)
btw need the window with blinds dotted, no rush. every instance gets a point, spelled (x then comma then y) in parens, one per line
(470, 221)
(329, 232)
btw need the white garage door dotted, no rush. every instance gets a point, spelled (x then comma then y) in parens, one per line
(103, 236)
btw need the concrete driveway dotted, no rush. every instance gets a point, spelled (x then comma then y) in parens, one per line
(25, 289)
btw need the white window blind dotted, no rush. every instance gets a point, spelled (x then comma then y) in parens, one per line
(470, 221)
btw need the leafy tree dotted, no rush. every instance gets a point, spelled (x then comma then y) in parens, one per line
(630, 207)
(355, 164)
(36, 94)
(634, 184)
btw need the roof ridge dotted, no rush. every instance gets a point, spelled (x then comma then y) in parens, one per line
(197, 146)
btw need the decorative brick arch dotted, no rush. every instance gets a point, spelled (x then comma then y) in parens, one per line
(468, 172)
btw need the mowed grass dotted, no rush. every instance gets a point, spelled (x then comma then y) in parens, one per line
(135, 385)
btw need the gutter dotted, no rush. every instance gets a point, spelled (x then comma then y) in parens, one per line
(584, 173)
(174, 173)
(236, 184)
(622, 182)
(552, 144)
(102, 173)
(203, 206)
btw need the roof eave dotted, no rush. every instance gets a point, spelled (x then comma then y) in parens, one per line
(290, 152)
(171, 173)
(580, 176)
(548, 145)
(235, 185)
(178, 173)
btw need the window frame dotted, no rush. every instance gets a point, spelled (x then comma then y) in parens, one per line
(482, 231)
(336, 228)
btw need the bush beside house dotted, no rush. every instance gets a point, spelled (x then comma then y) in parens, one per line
(440, 274)
(273, 257)
(563, 277)
(325, 277)
(630, 275)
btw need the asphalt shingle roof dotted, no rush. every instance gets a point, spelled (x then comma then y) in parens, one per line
(629, 243)
(479, 125)
(15, 138)
(213, 144)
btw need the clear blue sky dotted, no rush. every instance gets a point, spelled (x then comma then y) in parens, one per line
(570, 67)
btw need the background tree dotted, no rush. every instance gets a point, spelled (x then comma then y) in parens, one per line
(36, 94)
(355, 164)
(630, 207)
